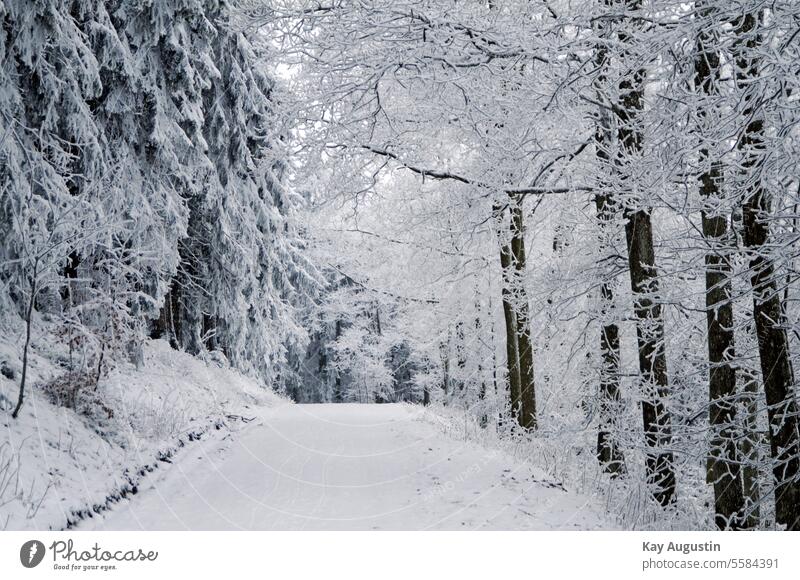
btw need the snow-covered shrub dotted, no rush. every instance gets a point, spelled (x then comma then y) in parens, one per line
(78, 391)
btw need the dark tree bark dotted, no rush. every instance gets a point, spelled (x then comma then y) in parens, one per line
(158, 328)
(751, 450)
(70, 274)
(176, 314)
(516, 314)
(461, 359)
(609, 452)
(322, 370)
(26, 348)
(209, 331)
(445, 354)
(338, 392)
(644, 281)
(773, 342)
(510, 318)
(527, 416)
(652, 358)
(168, 323)
(724, 471)
(484, 418)
(500, 397)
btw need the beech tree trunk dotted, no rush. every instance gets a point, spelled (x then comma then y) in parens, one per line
(510, 319)
(750, 450)
(773, 342)
(499, 397)
(609, 452)
(445, 354)
(644, 283)
(461, 360)
(484, 418)
(338, 392)
(724, 471)
(527, 416)
(652, 358)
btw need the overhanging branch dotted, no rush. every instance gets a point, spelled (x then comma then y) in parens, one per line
(448, 175)
(420, 171)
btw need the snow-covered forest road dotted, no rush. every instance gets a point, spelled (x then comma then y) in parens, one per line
(355, 467)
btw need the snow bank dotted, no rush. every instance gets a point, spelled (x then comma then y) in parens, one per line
(566, 457)
(551, 459)
(58, 466)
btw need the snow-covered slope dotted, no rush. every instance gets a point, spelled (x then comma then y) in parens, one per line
(58, 467)
(343, 467)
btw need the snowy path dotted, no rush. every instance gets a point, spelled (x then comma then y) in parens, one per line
(323, 467)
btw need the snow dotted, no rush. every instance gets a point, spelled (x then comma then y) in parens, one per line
(55, 462)
(194, 444)
(348, 467)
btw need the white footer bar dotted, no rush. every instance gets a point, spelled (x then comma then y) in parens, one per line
(406, 555)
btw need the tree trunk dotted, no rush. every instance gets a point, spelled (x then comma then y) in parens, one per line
(28, 317)
(168, 322)
(510, 318)
(461, 360)
(527, 416)
(724, 471)
(644, 277)
(484, 418)
(70, 274)
(773, 342)
(338, 392)
(209, 331)
(751, 451)
(445, 354)
(499, 398)
(609, 452)
(652, 358)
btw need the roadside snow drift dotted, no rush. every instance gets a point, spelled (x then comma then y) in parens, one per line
(58, 467)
